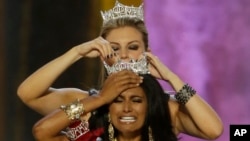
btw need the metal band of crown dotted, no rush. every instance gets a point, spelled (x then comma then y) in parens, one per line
(140, 66)
(120, 11)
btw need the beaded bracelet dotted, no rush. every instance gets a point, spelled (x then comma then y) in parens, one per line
(73, 110)
(185, 93)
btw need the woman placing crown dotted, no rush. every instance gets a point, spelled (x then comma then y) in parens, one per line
(131, 104)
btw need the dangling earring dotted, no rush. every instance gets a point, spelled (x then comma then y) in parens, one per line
(110, 130)
(150, 136)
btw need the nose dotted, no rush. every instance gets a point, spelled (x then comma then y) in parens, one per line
(127, 107)
(123, 54)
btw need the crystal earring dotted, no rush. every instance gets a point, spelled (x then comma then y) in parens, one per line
(150, 136)
(110, 130)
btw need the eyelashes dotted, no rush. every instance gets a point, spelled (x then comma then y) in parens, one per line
(134, 100)
(134, 47)
(131, 47)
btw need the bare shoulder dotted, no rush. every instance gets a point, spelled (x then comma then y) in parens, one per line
(173, 104)
(70, 94)
(174, 108)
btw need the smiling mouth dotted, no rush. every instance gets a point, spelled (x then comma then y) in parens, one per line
(127, 119)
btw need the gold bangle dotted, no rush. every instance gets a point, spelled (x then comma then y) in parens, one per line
(73, 110)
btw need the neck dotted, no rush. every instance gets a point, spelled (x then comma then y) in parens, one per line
(128, 138)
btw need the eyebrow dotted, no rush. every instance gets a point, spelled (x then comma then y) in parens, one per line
(128, 42)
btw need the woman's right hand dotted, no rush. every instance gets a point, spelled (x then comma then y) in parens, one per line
(118, 82)
(94, 48)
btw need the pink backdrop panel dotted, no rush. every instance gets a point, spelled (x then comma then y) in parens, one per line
(207, 43)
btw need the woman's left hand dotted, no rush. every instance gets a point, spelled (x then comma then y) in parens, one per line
(157, 68)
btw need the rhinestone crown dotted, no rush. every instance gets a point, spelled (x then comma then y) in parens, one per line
(120, 10)
(140, 66)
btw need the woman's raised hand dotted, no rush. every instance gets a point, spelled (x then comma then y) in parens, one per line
(118, 82)
(94, 48)
(157, 68)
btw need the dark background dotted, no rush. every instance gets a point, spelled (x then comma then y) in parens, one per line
(31, 34)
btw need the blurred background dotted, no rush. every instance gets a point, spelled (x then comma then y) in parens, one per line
(207, 43)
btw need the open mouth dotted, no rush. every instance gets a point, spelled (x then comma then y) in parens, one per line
(127, 119)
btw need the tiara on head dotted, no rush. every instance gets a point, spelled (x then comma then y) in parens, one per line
(140, 66)
(120, 11)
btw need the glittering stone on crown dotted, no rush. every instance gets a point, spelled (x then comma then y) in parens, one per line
(120, 10)
(140, 66)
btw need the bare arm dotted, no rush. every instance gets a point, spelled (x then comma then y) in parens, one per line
(36, 90)
(49, 127)
(196, 117)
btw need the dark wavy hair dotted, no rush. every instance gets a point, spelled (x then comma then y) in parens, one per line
(158, 115)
